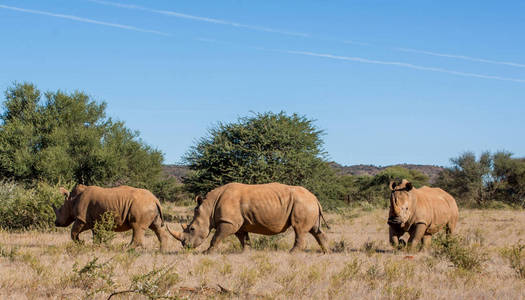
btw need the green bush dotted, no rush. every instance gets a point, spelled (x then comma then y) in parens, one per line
(469, 257)
(515, 255)
(372, 191)
(103, 230)
(57, 136)
(28, 208)
(266, 147)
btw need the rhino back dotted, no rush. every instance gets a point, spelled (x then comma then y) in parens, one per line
(263, 208)
(435, 207)
(95, 201)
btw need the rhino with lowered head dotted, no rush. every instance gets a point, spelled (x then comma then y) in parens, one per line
(267, 209)
(421, 212)
(133, 208)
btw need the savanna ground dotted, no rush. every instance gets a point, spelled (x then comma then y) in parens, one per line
(487, 261)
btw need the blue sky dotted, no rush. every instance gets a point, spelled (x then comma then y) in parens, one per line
(388, 81)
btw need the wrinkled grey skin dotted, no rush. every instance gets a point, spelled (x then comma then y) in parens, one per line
(421, 212)
(268, 209)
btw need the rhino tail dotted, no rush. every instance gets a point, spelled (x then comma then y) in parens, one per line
(321, 216)
(159, 209)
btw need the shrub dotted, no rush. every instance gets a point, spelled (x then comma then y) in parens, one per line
(103, 230)
(272, 242)
(266, 147)
(515, 255)
(154, 284)
(459, 252)
(30, 208)
(93, 277)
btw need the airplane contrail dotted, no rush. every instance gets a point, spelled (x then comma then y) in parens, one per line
(463, 57)
(301, 34)
(400, 64)
(84, 20)
(198, 18)
(304, 53)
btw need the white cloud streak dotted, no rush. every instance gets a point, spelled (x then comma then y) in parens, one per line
(401, 64)
(463, 57)
(198, 18)
(224, 22)
(84, 20)
(303, 53)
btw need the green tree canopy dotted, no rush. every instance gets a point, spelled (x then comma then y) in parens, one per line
(374, 189)
(263, 148)
(467, 178)
(497, 176)
(68, 137)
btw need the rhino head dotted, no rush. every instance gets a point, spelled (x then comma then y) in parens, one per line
(400, 203)
(199, 228)
(64, 215)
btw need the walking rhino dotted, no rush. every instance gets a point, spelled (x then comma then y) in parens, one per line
(133, 208)
(267, 209)
(421, 212)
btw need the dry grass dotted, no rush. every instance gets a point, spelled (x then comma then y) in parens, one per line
(363, 266)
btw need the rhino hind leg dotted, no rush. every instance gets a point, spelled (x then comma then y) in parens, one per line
(222, 231)
(138, 235)
(161, 233)
(427, 240)
(321, 239)
(299, 240)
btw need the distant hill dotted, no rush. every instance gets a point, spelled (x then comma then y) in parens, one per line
(431, 171)
(179, 171)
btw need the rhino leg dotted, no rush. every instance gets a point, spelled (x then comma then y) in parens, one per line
(427, 241)
(138, 235)
(243, 238)
(321, 239)
(222, 231)
(394, 238)
(416, 235)
(161, 234)
(76, 229)
(299, 241)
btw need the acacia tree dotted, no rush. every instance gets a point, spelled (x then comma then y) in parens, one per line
(266, 147)
(67, 137)
(468, 177)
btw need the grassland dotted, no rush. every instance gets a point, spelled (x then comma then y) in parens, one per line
(47, 265)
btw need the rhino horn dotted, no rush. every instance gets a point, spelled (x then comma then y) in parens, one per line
(175, 234)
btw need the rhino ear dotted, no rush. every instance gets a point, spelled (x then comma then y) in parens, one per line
(408, 186)
(392, 185)
(198, 199)
(64, 192)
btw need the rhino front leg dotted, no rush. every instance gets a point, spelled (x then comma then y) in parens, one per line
(76, 229)
(223, 230)
(416, 235)
(394, 238)
(243, 238)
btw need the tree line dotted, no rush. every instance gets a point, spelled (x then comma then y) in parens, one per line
(60, 138)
